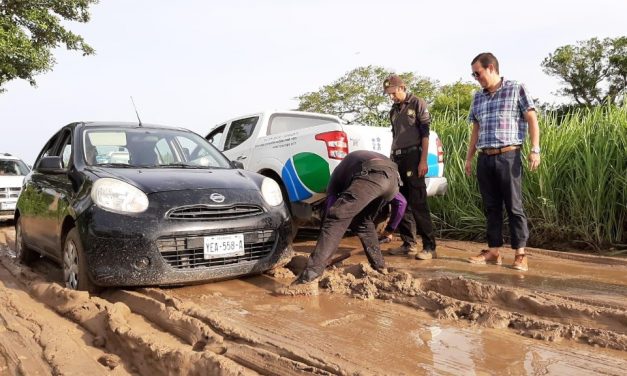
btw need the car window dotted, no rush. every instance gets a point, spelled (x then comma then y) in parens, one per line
(151, 148)
(216, 135)
(282, 123)
(165, 152)
(195, 153)
(240, 131)
(48, 149)
(13, 168)
(65, 150)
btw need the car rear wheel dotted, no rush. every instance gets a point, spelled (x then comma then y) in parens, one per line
(74, 264)
(23, 254)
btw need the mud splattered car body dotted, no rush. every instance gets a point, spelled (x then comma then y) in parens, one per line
(126, 205)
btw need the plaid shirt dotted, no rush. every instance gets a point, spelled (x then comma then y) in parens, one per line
(500, 115)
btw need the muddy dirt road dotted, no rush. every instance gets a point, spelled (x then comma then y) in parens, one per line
(566, 316)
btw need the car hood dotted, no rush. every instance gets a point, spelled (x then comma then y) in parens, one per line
(168, 179)
(11, 181)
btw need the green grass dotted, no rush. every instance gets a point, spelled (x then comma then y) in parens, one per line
(576, 197)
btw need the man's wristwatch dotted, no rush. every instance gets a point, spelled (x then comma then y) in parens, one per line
(535, 150)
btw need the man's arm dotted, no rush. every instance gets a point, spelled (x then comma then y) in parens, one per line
(398, 206)
(534, 136)
(472, 147)
(424, 123)
(423, 168)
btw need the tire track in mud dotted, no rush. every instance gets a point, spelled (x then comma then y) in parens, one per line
(158, 334)
(529, 313)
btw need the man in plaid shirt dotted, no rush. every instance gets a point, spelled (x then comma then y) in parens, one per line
(501, 114)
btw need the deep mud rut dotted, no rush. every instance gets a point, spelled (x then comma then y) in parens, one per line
(566, 316)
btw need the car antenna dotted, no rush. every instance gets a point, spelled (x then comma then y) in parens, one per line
(136, 113)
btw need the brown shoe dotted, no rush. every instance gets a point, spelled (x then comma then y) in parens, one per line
(486, 257)
(426, 255)
(404, 250)
(520, 263)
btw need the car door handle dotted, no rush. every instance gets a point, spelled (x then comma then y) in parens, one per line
(241, 157)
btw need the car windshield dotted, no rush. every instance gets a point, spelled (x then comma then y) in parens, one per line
(13, 167)
(150, 148)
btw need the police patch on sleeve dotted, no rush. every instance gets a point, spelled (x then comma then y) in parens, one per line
(411, 112)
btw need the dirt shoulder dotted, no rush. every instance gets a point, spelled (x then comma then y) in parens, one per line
(443, 316)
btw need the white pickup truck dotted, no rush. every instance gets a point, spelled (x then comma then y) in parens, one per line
(300, 150)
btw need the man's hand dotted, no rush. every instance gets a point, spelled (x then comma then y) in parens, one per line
(468, 167)
(385, 237)
(422, 168)
(534, 161)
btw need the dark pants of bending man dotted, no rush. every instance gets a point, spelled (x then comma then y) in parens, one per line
(356, 207)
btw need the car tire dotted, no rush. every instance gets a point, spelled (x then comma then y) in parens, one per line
(284, 259)
(75, 274)
(23, 254)
(288, 204)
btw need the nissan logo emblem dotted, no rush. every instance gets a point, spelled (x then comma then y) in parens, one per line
(216, 197)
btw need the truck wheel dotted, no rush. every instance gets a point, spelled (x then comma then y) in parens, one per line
(23, 254)
(75, 265)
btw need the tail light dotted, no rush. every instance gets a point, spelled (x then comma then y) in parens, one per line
(438, 143)
(337, 143)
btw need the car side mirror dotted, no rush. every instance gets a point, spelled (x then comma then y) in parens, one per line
(51, 165)
(237, 164)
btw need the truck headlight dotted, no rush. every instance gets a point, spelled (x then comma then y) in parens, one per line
(118, 196)
(271, 192)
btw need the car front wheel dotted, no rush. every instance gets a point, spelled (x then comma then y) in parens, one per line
(74, 264)
(23, 254)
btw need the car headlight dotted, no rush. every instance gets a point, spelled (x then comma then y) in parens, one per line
(118, 196)
(271, 192)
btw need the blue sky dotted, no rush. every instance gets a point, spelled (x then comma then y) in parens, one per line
(196, 63)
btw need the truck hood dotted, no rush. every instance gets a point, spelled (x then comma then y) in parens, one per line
(11, 181)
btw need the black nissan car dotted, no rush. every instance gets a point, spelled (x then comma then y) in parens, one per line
(121, 204)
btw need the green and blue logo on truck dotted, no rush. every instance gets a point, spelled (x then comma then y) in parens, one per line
(305, 174)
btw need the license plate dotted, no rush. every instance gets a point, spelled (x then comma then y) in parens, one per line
(224, 246)
(7, 206)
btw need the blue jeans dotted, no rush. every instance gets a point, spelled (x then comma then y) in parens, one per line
(500, 183)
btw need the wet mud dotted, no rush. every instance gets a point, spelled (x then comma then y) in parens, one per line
(441, 316)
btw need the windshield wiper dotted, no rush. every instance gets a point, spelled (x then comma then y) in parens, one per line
(118, 165)
(181, 165)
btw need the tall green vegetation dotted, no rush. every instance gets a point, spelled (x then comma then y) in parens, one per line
(578, 196)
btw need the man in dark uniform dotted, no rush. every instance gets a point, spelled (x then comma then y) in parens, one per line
(359, 187)
(410, 144)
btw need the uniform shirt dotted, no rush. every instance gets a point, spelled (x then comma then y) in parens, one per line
(501, 115)
(352, 165)
(410, 122)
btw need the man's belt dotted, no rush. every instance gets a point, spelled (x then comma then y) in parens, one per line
(495, 151)
(405, 150)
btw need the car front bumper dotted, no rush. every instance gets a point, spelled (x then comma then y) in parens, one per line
(124, 250)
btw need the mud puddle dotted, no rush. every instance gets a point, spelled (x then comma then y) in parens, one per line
(380, 336)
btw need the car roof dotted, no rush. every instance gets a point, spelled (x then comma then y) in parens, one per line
(121, 124)
(9, 156)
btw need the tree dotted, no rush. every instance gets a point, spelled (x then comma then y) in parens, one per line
(593, 71)
(30, 30)
(454, 98)
(358, 97)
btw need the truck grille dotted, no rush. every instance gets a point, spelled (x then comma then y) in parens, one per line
(187, 252)
(10, 192)
(213, 213)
